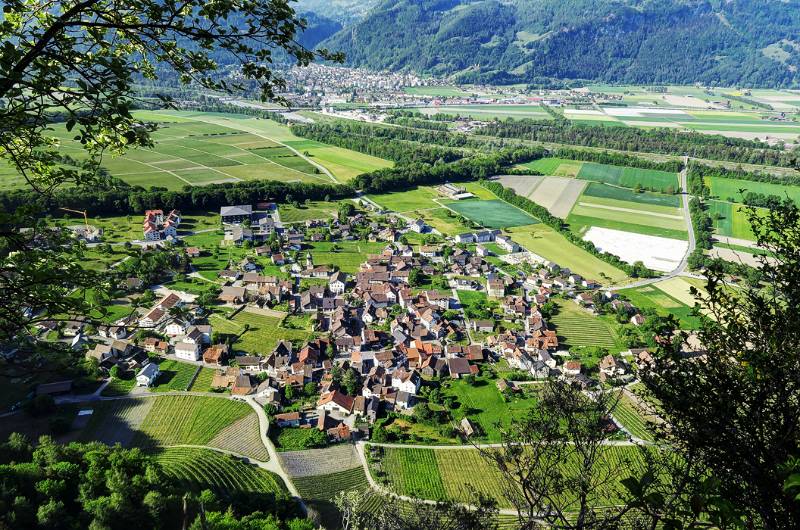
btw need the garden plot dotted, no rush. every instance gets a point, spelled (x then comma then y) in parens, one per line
(558, 194)
(312, 462)
(658, 253)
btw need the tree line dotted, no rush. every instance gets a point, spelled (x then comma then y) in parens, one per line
(658, 140)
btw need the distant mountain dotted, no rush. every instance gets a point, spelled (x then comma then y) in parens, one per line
(342, 11)
(725, 42)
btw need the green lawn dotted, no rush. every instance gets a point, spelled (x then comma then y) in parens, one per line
(262, 335)
(313, 210)
(419, 198)
(443, 220)
(348, 256)
(492, 213)
(730, 220)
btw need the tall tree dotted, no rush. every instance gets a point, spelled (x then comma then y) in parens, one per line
(734, 408)
(75, 61)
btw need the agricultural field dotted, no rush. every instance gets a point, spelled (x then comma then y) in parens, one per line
(117, 421)
(492, 213)
(628, 413)
(318, 491)
(262, 334)
(557, 194)
(242, 437)
(577, 328)
(419, 198)
(197, 148)
(556, 167)
(443, 220)
(326, 461)
(202, 382)
(174, 375)
(650, 297)
(344, 255)
(305, 212)
(489, 112)
(629, 177)
(605, 191)
(549, 244)
(441, 474)
(679, 288)
(192, 420)
(728, 189)
(645, 216)
(440, 91)
(656, 252)
(730, 220)
(198, 469)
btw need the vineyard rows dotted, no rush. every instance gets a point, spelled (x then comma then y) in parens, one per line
(632, 418)
(117, 421)
(242, 437)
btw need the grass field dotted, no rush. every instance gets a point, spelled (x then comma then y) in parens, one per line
(419, 198)
(319, 491)
(728, 189)
(546, 242)
(263, 332)
(174, 375)
(348, 256)
(557, 167)
(629, 177)
(189, 420)
(576, 327)
(198, 469)
(489, 112)
(203, 381)
(313, 210)
(443, 220)
(492, 213)
(730, 220)
(459, 474)
(649, 297)
(486, 405)
(443, 91)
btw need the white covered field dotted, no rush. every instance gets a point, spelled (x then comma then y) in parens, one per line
(658, 253)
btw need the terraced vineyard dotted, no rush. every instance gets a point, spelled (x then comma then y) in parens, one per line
(242, 437)
(458, 474)
(193, 420)
(412, 472)
(632, 418)
(199, 469)
(578, 328)
(319, 491)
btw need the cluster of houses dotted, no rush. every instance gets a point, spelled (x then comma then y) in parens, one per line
(159, 227)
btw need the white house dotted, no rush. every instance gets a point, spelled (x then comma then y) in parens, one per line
(465, 238)
(337, 283)
(406, 381)
(417, 225)
(176, 327)
(147, 375)
(187, 351)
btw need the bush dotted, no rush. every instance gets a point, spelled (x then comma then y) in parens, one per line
(40, 405)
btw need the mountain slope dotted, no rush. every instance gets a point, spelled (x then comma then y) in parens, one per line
(626, 41)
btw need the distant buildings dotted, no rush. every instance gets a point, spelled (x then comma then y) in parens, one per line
(157, 226)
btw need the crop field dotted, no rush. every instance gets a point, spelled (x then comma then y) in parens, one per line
(189, 420)
(557, 167)
(196, 148)
(444, 220)
(492, 214)
(628, 413)
(202, 382)
(174, 375)
(629, 177)
(117, 421)
(680, 289)
(345, 255)
(649, 297)
(263, 332)
(198, 469)
(649, 219)
(443, 91)
(557, 194)
(326, 461)
(728, 189)
(458, 474)
(730, 220)
(242, 437)
(549, 244)
(599, 190)
(318, 492)
(489, 112)
(576, 327)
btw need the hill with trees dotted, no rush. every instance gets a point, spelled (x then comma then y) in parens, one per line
(736, 42)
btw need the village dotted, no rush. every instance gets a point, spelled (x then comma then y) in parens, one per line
(380, 338)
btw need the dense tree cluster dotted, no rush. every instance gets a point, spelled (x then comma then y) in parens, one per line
(658, 140)
(95, 486)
